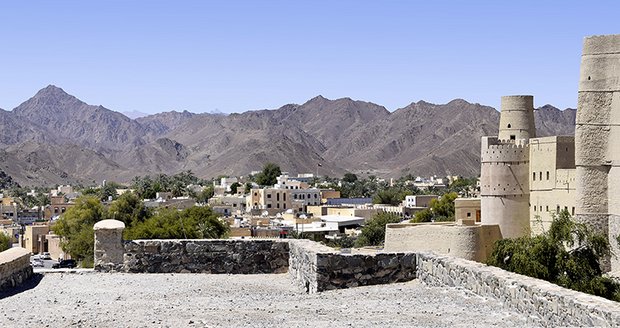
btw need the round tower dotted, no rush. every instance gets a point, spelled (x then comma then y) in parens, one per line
(516, 119)
(504, 171)
(597, 131)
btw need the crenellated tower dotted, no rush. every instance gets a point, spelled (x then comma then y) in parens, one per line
(504, 172)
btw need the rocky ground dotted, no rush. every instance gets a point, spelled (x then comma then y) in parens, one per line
(88, 299)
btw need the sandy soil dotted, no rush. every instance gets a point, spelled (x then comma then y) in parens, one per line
(88, 299)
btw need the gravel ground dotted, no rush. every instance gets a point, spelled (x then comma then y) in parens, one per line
(89, 299)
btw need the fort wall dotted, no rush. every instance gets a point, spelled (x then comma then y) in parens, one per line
(471, 242)
(15, 267)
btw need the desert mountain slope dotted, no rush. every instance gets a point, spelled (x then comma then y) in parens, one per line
(54, 137)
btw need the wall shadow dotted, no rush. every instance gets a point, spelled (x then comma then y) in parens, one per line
(26, 285)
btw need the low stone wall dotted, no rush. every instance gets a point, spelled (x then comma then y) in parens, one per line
(318, 268)
(15, 267)
(546, 303)
(205, 256)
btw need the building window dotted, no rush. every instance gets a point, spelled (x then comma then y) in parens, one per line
(534, 176)
(277, 205)
(573, 210)
(468, 214)
(540, 176)
(284, 197)
(534, 208)
(547, 175)
(513, 137)
(547, 208)
(268, 195)
(277, 197)
(557, 210)
(268, 205)
(255, 194)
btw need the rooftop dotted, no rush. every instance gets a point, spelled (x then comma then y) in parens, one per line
(90, 299)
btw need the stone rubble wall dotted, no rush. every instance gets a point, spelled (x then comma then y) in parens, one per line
(15, 267)
(545, 303)
(205, 256)
(318, 268)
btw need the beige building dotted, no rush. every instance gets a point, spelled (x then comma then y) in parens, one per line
(467, 209)
(34, 238)
(269, 198)
(552, 179)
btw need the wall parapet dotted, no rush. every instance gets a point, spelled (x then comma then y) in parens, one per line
(318, 268)
(545, 303)
(15, 267)
(234, 256)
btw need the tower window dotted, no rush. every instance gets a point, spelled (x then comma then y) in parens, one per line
(509, 125)
(540, 176)
(513, 137)
(534, 176)
(547, 175)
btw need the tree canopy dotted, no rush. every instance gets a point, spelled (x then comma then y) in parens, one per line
(269, 174)
(438, 210)
(568, 255)
(76, 226)
(373, 231)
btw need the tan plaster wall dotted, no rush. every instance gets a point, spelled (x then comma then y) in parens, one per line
(467, 242)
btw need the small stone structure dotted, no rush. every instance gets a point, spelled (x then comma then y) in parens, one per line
(15, 267)
(109, 244)
(318, 268)
(462, 239)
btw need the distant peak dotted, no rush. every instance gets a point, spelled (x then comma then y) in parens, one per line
(548, 107)
(52, 91)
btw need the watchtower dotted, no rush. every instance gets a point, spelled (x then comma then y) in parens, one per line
(504, 176)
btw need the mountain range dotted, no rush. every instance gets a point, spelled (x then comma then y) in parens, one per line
(54, 138)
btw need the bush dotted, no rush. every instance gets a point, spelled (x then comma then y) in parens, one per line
(373, 232)
(5, 242)
(567, 255)
(439, 210)
(194, 222)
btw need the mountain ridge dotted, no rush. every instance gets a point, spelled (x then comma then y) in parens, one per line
(342, 134)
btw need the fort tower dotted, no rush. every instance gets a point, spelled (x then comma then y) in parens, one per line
(504, 176)
(597, 140)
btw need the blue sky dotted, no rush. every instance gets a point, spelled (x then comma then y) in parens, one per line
(233, 56)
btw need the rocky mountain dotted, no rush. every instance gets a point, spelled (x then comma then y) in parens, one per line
(55, 138)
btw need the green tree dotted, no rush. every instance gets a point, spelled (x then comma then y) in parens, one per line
(5, 242)
(373, 231)
(248, 187)
(349, 177)
(129, 209)
(439, 210)
(108, 191)
(76, 228)
(194, 222)
(391, 196)
(568, 255)
(269, 174)
(234, 187)
(204, 196)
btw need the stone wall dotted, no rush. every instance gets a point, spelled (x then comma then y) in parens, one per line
(204, 256)
(318, 268)
(15, 267)
(544, 302)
